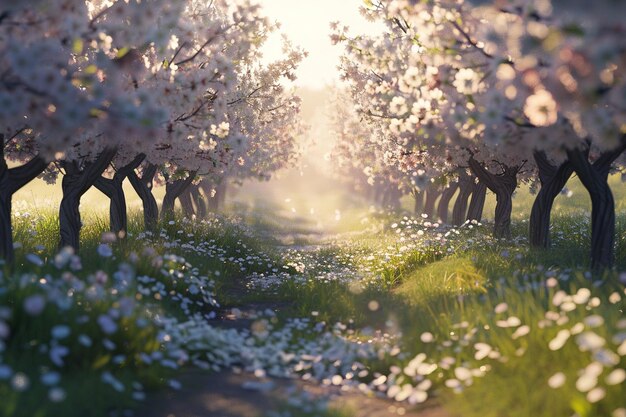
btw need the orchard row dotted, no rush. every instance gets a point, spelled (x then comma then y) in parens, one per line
(486, 95)
(153, 91)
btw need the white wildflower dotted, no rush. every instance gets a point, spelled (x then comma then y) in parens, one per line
(557, 380)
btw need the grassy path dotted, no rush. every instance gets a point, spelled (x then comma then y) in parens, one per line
(397, 311)
(390, 304)
(238, 394)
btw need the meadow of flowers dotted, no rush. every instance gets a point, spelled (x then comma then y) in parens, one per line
(519, 315)
(406, 309)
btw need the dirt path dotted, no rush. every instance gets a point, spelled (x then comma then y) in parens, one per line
(228, 394)
(236, 394)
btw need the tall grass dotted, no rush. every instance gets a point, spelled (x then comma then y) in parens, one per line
(82, 336)
(445, 306)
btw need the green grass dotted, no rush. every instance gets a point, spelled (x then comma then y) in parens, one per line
(400, 284)
(445, 278)
(217, 255)
(438, 294)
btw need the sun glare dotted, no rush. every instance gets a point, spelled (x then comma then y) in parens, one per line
(307, 25)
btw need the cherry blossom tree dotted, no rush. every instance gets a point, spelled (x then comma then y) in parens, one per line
(129, 90)
(562, 86)
(426, 99)
(567, 66)
(64, 70)
(267, 113)
(506, 84)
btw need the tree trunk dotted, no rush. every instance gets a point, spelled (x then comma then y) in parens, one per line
(446, 196)
(374, 194)
(199, 201)
(418, 196)
(369, 193)
(118, 219)
(503, 186)
(215, 193)
(222, 188)
(112, 188)
(459, 211)
(391, 200)
(11, 180)
(6, 230)
(385, 196)
(143, 188)
(211, 195)
(594, 178)
(172, 191)
(504, 209)
(477, 203)
(552, 179)
(186, 202)
(432, 193)
(69, 214)
(378, 194)
(75, 184)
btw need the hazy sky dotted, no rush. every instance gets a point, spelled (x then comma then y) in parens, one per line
(307, 24)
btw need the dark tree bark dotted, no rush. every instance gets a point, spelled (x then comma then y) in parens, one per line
(392, 197)
(143, 188)
(186, 202)
(418, 197)
(444, 201)
(112, 188)
(75, 184)
(211, 199)
(222, 189)
(477, 202)
(379, 195)
(11, 180)
(503, 186)
(199, 201)
(459, 211)
(552, 179)
(215, 193)
(6, 229)
(173, 190)
(594, 178)
(386, 196)
(369, 193)
(118, 221)
(432, 193)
